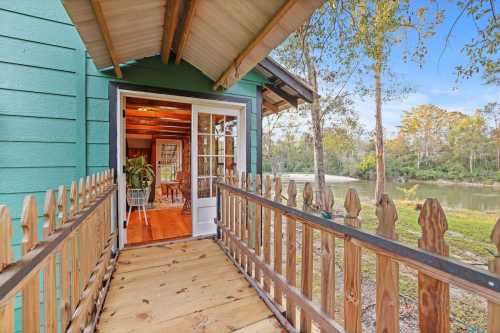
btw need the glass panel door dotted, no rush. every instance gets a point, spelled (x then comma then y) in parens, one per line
(216, 137)
(217, 150)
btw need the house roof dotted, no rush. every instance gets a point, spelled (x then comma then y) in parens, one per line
(223, 39)
(283, 90)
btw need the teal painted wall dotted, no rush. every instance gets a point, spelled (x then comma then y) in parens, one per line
(54, 103)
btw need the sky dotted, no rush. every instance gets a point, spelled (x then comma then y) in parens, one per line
(435, 82)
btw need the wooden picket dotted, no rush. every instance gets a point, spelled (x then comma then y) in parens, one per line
(435, 273)
(80, 281)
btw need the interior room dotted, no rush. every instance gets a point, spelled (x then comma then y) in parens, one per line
(159, 132)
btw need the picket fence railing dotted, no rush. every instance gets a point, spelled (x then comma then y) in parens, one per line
(60, 279)
(269, 258)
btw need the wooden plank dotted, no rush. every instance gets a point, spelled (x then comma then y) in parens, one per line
(243, 217)
(6, 232)
(291, 252)
(249, 226)
(494, 267)
(352, 269)
(328, 260)
(186, 31)
(433, 294)
(64, 275)
(31, 291)
(49, 275)
(266, 239)
(103, 28)
(387, 276)
(258, 226)
(278, 240)
(255, 43)
(306, 275)
(171, 17)
(269, 325)
(306, 305)
(206, 294)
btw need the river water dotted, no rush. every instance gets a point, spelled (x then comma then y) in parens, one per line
(451, 196)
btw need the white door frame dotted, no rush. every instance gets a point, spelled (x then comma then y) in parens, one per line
(120, 139)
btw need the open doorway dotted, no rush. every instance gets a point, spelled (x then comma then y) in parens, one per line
(160, 132)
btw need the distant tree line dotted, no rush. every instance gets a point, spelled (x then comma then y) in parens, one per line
(431, 143)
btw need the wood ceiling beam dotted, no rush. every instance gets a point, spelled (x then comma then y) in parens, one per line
(103, 28)
(268, 105)
(157, 128)
(153, 121)
(171, 18)
(186, 30)
(268, 28)
(157, 133)
(292, 100)
(162, 115)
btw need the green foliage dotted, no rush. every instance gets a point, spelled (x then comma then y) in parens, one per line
(409, 193)
(139, 173)
(366, 168)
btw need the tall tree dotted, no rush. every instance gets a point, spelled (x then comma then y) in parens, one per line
(316, 52)
(491, 111)
(379, 26)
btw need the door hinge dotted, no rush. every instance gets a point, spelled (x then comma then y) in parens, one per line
(124, 224)
(123, 113)
(124, 169)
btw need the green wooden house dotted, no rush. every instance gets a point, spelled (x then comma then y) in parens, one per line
(67, 69)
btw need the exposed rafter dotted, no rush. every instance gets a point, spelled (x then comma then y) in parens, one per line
(186, 30)
(254, 43)
(171, 18)
(269, 105)
(293, 100)
(103, 28)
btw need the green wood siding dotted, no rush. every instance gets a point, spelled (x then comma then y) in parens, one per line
(54, 106)
(54, 102)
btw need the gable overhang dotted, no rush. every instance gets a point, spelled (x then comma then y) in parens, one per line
(223, 39)
(283, 90)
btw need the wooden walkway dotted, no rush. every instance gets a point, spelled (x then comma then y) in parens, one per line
(182, 287)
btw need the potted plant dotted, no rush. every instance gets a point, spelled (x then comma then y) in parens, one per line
(140, 176)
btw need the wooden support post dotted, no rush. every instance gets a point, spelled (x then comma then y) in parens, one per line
(237, 218)
(250, 227)
(49, 274)
(291, 253)
(232, 208)
(64, 275)
(243, 218)
(278, 240)
(266, 239)
(78, 202)
(258, 226)
(6, 310)
(387, 299)
(31, 291)
(307, 259)
(327, 261)
(82, 203)
(352, 270)
(494, 266)
(433, 295)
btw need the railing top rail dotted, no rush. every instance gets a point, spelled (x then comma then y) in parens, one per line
(12, 277)
(443, 268)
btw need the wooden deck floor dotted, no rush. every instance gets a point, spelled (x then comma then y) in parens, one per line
(182, 287)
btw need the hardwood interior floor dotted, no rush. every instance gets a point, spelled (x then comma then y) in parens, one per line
(189, 286)
(166, 223)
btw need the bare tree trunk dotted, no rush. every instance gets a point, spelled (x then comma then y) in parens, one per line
(379, 134)
(498, 159)
(319, 163)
